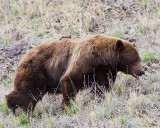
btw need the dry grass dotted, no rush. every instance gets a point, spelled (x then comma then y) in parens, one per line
(131, 102)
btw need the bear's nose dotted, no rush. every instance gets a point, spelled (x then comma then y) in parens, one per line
(141, 72)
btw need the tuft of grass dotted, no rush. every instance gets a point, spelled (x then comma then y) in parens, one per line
(109, 26)
(27, 126)
(149, 57)
(39, 114)
(145, 3)
(6, 82)
(51, 122)
(117, 34)
(71, 110)
(4, 108)
(1, 124)
(72, 31)
(4, 42)
(123, 121)
(23, 119)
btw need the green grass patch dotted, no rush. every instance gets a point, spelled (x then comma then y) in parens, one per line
(5, 81)
(144, 3)
(23, 119)
(4, 108)
(28, 126)
(8, 20)
(72, 31)
(51, 122)
(71, 110)
(38, 114)
(107, 115)
(40, 34)
(117, 34)
(129, 79)
(123, 121)
(149, 57)
(4, 42)
(1, 124)
(109, 26)
(15, 25)
(14, 10)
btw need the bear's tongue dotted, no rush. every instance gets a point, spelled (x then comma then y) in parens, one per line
(135, 75)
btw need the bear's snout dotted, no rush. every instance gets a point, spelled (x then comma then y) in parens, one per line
(141, 73)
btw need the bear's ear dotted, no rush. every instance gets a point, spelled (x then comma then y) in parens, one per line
(134, 44)
(119, 45)
(6, 96)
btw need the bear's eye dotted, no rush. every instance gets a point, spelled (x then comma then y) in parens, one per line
(136, 59)
(14, 106)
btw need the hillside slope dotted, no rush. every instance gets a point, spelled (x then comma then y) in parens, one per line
(131, 103)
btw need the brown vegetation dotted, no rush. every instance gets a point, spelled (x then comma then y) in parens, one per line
(130, 103)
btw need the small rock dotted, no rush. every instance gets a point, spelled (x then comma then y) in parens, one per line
(124, 8)
(145, 67)
(132, 40)
(145, 92)
(156, 61)
(68, 36)
(148, 63)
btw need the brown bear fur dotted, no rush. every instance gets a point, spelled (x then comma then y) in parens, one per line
(63, 66)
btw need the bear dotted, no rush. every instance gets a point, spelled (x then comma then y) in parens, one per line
(62, 67)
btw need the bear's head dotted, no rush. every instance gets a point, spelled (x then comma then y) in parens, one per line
(19, 101)
(129, 60)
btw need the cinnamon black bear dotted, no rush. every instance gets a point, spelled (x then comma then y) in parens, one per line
(60, 67)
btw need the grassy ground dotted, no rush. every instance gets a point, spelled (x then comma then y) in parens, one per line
(131, 103)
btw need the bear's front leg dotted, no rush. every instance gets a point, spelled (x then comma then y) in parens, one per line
(103, 82)
(67, 88)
